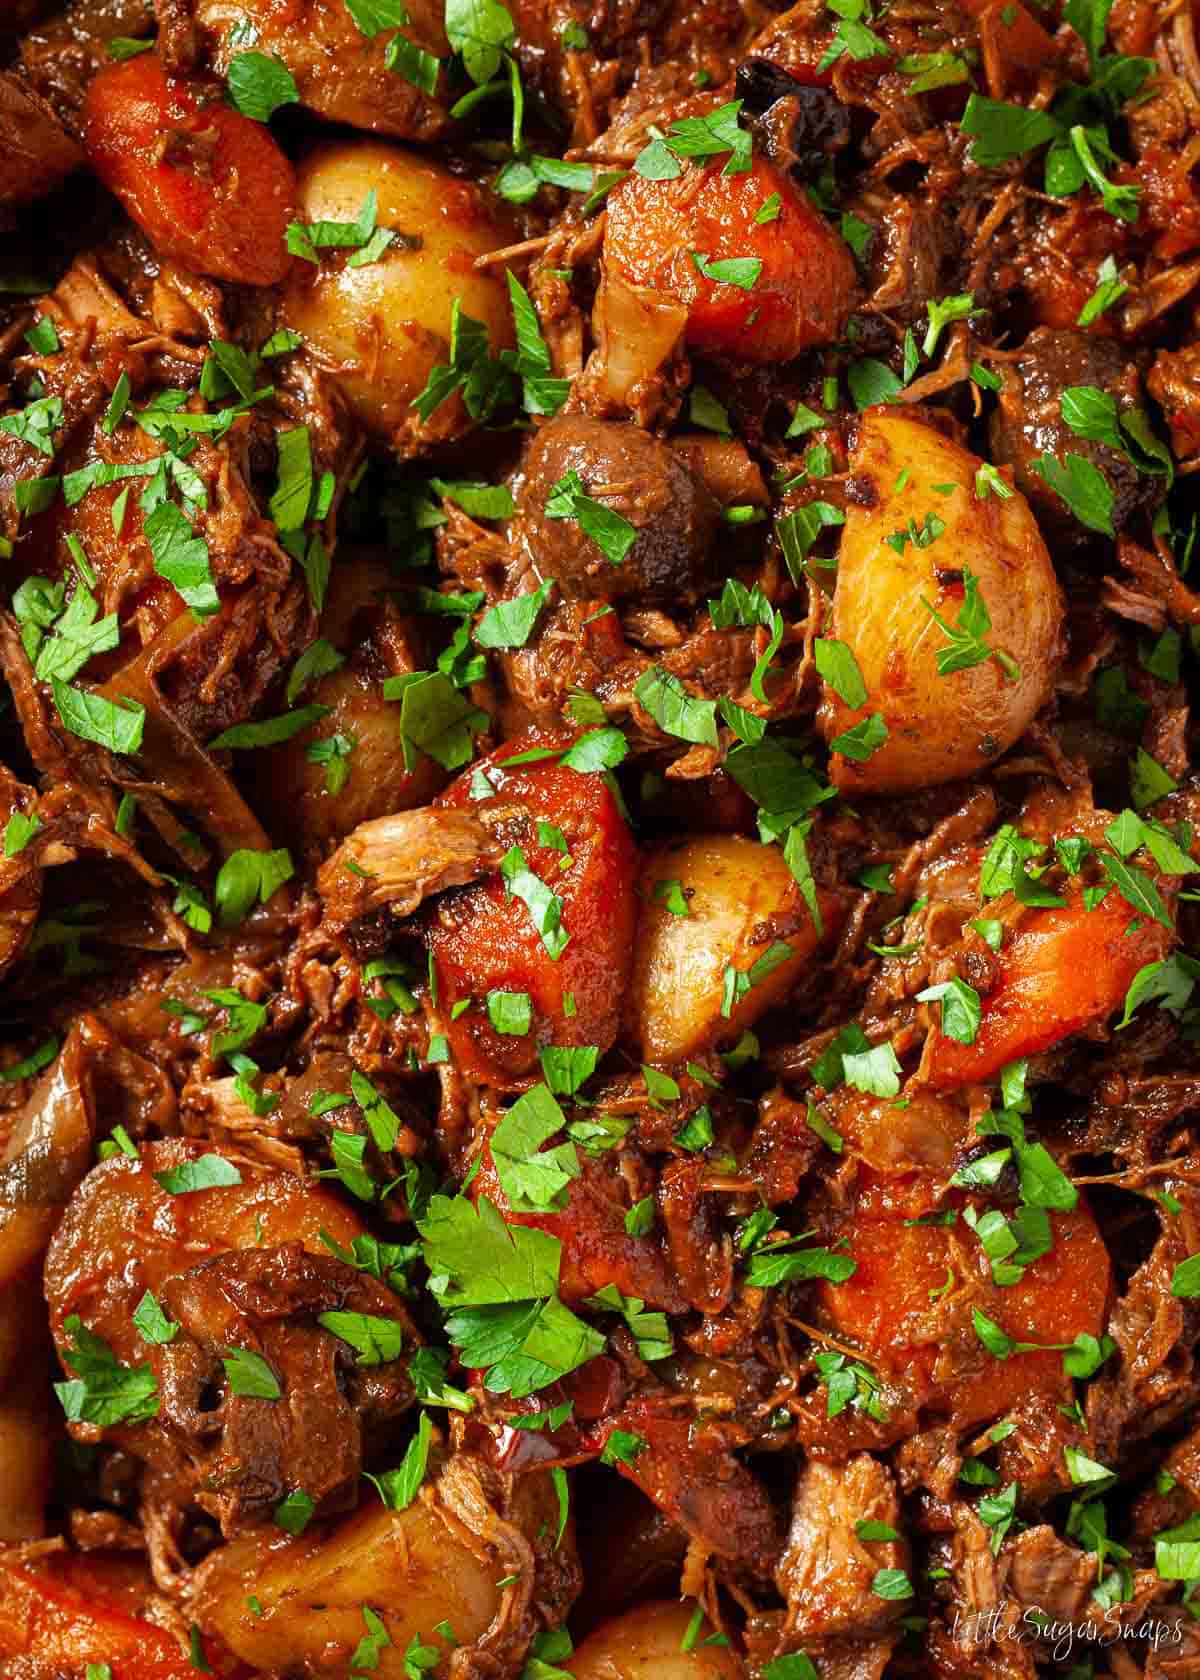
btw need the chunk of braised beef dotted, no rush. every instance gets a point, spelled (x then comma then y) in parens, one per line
(241, 1453)
(1174, 383)
(1029, 425)
(36, 152)
(827, 1572)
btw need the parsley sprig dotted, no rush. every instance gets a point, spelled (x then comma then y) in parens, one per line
(103, 1391)
(363, 236)
(711, 136)
(965, 636)
(1075, 128)
(498, 1285)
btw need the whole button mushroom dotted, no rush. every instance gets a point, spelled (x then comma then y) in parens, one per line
(637, 476)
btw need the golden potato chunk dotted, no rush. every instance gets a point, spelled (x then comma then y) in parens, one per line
(681, 1000)
(408, 1567)
(386, 324)
(923, 537)
(645, 1644)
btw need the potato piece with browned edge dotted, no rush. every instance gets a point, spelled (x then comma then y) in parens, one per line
(732, 887)
(385, 324)
(646, 1644)
(917, 525)
(409, 1567)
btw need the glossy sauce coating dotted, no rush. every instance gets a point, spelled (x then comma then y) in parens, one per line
(208, 185)
(484, 940)
(802, 291)
(125, 1234)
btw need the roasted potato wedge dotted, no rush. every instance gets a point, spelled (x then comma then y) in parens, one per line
(646, 1644)
(385, 324)
(731, 887)
(410, 1566)
(918, 524)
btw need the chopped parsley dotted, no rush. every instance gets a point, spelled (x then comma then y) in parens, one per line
(742, 272)
(510, 1012)
(1110, 289)
(544, 906)
(18, 832)
(362, 236)
(259, 83)
(782, 1262)
(961, 1009)
(182, 558)
(708, 136)
(59, 639)
(941, 312)
(398, 1488)
(851, 36)
(36, 423)
(674, 710)
(509, 624)
(435, 718)
(863, 740)
(610, 531)
(375, 1339)
(568, 1069)
(965, 636)
(498, 1285)
(650, 1330)
(526, 172)
(102, 1391)
(533, 1179)
(836, 663)
(374, 16)
(31, 1064)
(205, 1172)
(737, 982)
(42, 338)
(413, 63)
(246, 877)
(541, 391)
(93, 718)
(853, 1060)
(294, 1513)
(249, 1375)
(872, 381)
(622, 1447)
